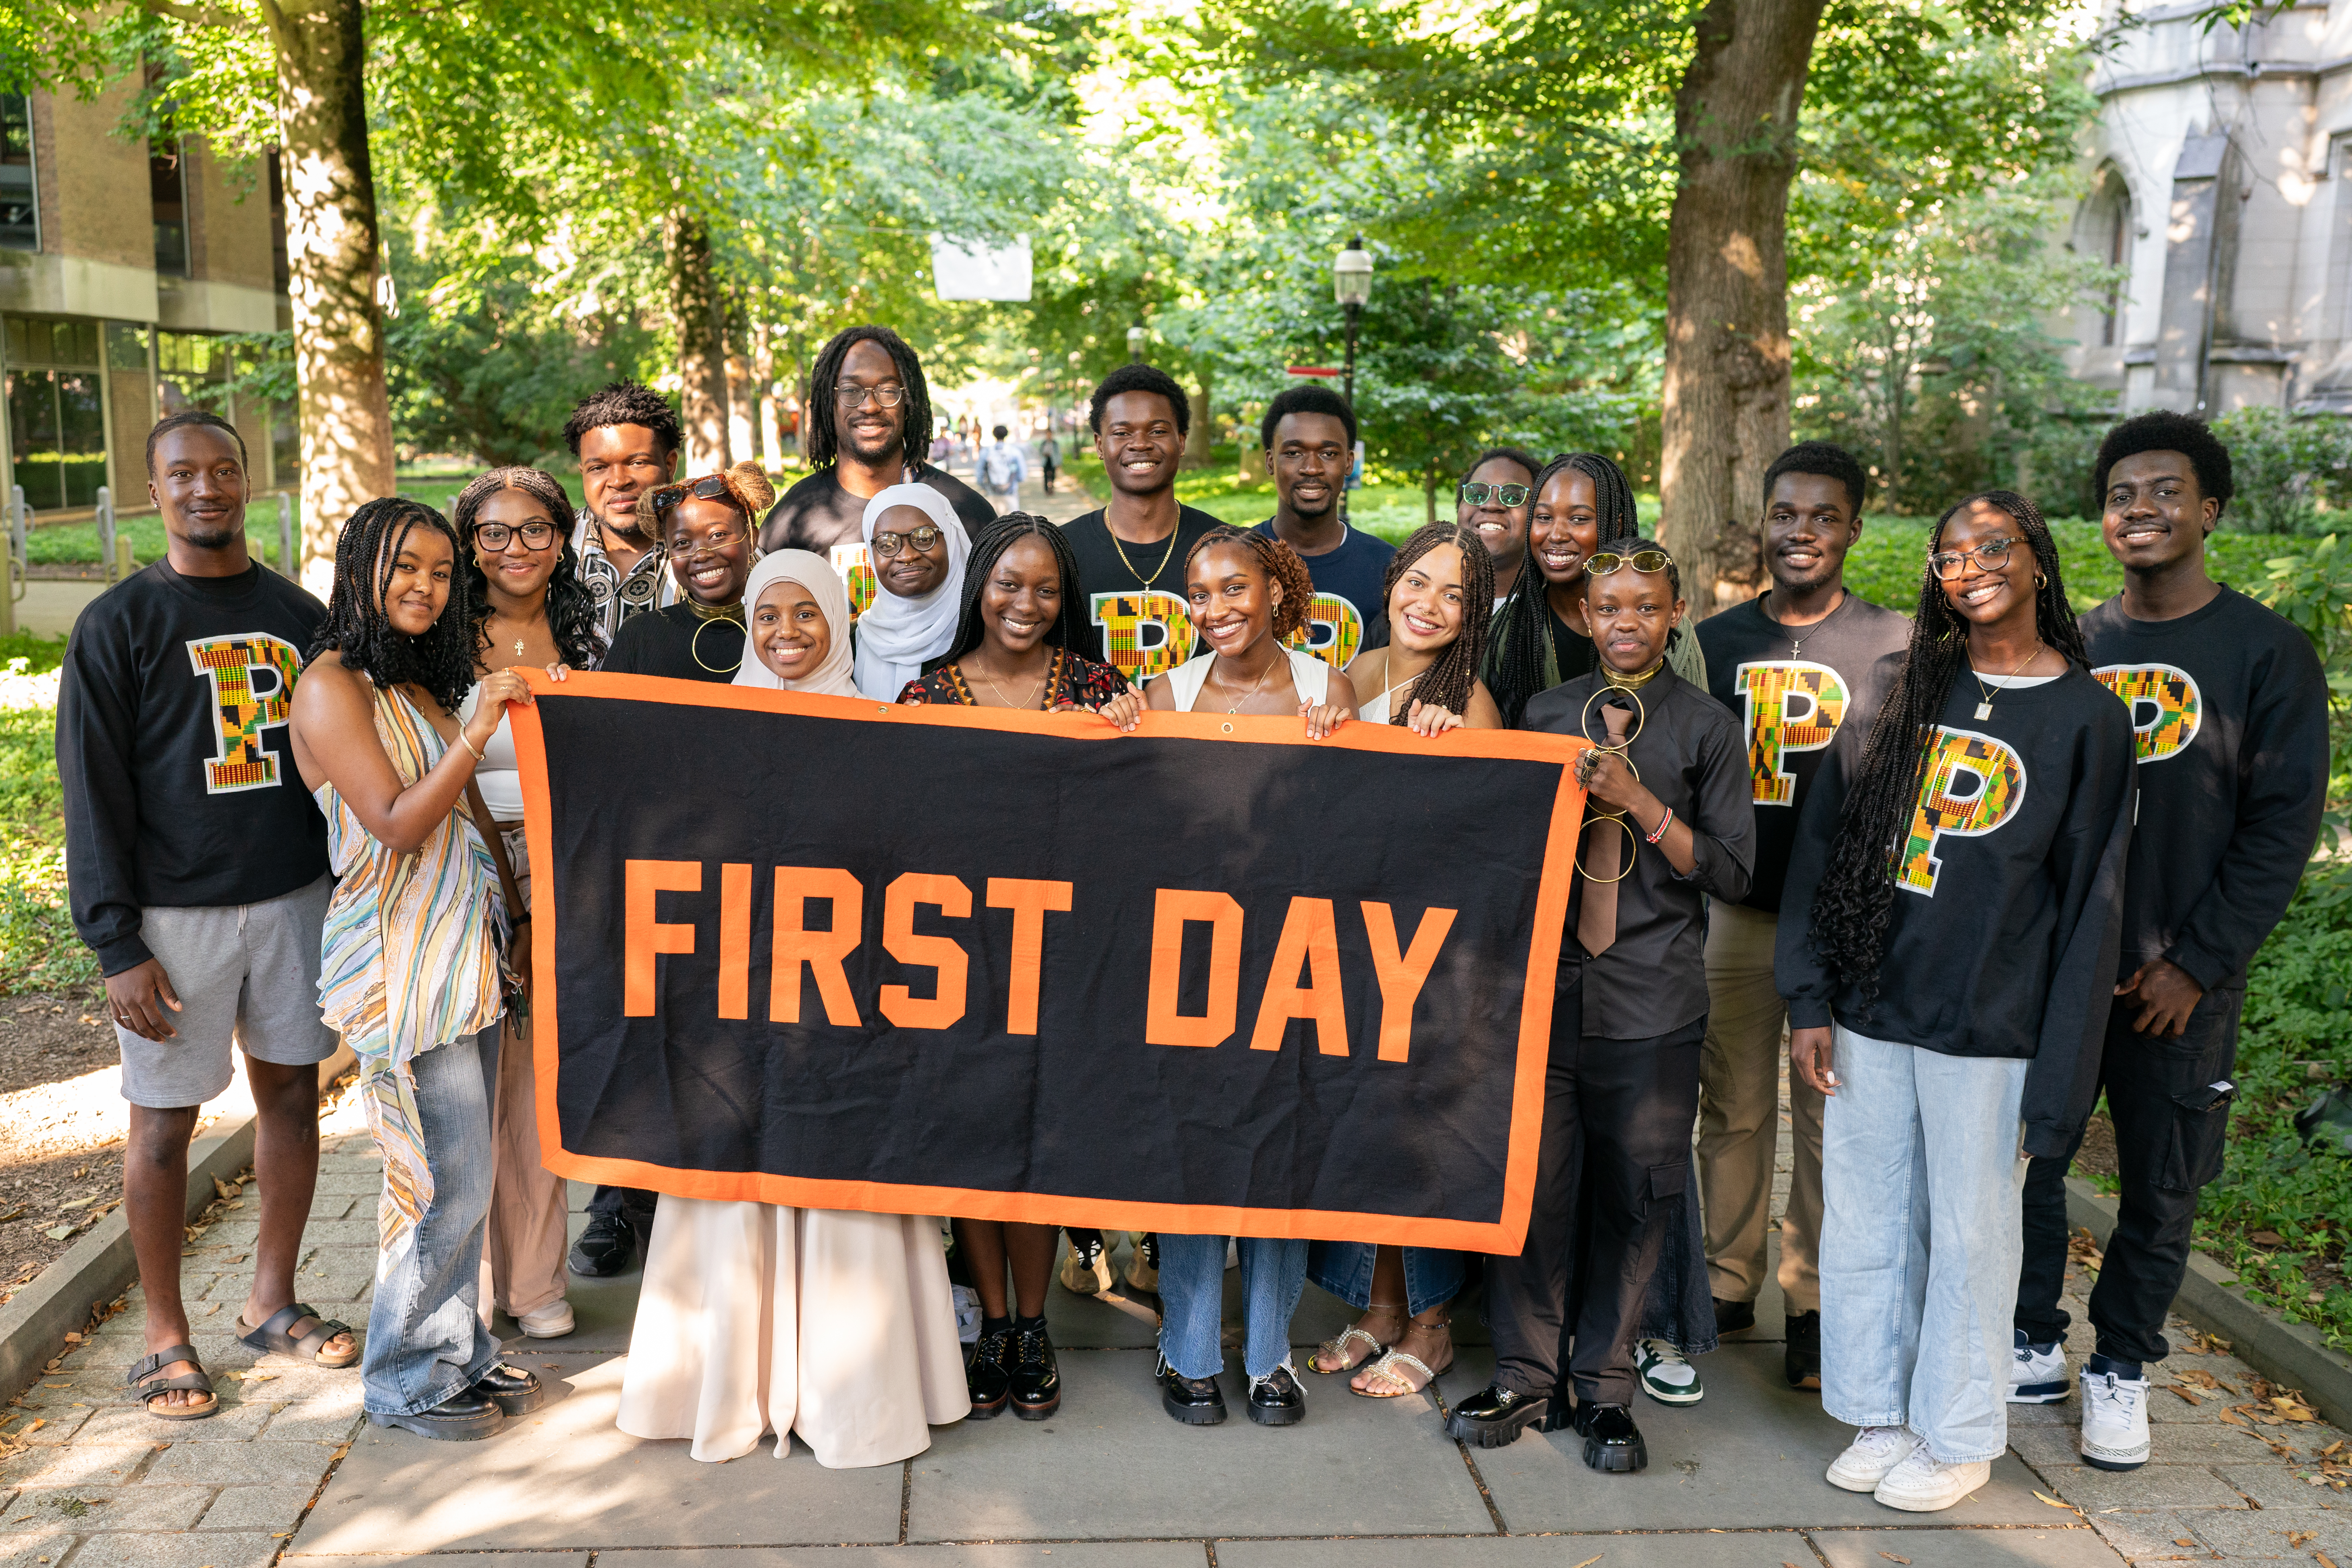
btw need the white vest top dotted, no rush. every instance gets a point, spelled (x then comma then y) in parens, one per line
(1309, 674)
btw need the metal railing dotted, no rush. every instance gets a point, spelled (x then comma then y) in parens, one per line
(20, 522)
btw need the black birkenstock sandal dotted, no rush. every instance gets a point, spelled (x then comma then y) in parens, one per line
(278, 1335)
(147, 1383)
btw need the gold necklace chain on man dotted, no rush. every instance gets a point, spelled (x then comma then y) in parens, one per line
(1166, 556)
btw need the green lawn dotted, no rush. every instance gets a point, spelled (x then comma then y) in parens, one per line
(69, 544)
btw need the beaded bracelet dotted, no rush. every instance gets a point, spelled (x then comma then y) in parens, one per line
(1663, 822)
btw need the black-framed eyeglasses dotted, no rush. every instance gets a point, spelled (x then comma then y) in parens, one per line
(495, 537)
(712, 487)
(850, 396)
(1949, 564)
(1501, 494)
(1604, 562)
(889, 544)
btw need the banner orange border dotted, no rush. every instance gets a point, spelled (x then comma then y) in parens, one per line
(1504, 1235)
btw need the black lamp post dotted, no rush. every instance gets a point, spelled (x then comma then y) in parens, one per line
(1351, 284)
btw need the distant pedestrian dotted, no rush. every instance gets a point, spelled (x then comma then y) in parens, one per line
(199, 877)
(1049, 456)
(1001, 469)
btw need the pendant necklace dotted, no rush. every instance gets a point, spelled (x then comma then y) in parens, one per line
(1984, 709)
(1255, 684)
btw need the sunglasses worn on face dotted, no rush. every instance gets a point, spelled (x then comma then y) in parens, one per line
(1501, 494)
(713, 488)
(1950, 563)
(1604, 562)
(494, 537)
(889, 544)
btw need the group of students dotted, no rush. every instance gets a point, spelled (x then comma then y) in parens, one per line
(2024, 859)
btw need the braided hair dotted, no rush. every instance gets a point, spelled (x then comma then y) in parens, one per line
(825, 407)
(987, 550)
(1447, 682)
(1523, 655)
(1282, 566)
(1855, 899)
(571, 608)
(442, 660)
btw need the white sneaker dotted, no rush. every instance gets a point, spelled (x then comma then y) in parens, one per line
(2114, 1421)
(2037, 1374)
(1666, 1374)
(1874, 1452)
(551, 1322)
(1921, 1484)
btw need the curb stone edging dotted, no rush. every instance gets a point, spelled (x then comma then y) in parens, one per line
(2290, 1353)
(101, 1265)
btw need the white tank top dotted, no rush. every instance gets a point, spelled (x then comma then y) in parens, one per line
(1309, 674)
(499, 772)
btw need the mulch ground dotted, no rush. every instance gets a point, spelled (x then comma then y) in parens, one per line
(59, 1171)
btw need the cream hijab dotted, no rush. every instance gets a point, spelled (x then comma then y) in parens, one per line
(896, 635)
(817, 574)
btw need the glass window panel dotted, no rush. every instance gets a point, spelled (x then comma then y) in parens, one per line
(81, 443)
(33, 436)
(168, 195)
(20, 228)
(126, 346)
(20, 340)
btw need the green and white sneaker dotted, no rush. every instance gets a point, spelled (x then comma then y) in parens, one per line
(1666, 1376)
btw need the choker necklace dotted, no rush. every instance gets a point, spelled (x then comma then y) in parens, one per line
(1634, 682)
(703, 612)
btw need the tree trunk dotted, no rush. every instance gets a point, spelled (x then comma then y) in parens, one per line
(1200, 435)
(1726, 402)
(701, 345)
(1429, 497)
(345, 413)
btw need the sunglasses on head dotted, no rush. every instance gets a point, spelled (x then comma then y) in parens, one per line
(1501, 494)
(712, 488)
(1604, 562)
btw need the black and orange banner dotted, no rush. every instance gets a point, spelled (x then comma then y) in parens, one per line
(1208, 977)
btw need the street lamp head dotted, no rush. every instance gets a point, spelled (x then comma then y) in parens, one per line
(1351, 273)
(1137, 337)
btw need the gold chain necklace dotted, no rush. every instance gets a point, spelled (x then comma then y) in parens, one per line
(1984, 709)
(1033, 690)
(1278, 658)
(1634, 682)
(1166, 555)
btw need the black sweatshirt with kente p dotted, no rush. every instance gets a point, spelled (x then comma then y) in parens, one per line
(2008, 905)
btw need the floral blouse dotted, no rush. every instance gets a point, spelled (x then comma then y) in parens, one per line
(1072, 680)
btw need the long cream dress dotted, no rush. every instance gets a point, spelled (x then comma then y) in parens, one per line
(753, 1318)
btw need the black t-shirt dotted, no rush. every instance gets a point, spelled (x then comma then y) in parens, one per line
(1350, 603)
(2228, 707)
(1792, 688)
(817, 514)
(677, 643)
(180, 784)
(1135, 617)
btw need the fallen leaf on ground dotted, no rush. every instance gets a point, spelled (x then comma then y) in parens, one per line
(2052, 1502)
(59, 1232)
(2184, 1394)
(1892, 1558)
(2297, 1537)
(1588, 1561)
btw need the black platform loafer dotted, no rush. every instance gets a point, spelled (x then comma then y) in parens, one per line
(1276, 1400)
(1494, 1416)
(1731, 1317)
(988, 1374)
(1194, 1401)
(1562, 1414)
(1612, 1444)
(1802, 1359)
(516, 1391)
(1036, 1376)
(608, 1247)
(464, 1417)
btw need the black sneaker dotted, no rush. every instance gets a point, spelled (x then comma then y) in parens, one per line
(988, 1374)
(1036, 1380)
(1730, 1317)
(1612, 1444)
(1276, 1400)
(608, 1247)
(1194, 1401)
(1494, 1416)
(1804, 1358)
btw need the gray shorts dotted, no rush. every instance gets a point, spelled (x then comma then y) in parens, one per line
(247, 973)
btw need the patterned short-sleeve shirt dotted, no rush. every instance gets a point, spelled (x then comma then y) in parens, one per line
(618, 594)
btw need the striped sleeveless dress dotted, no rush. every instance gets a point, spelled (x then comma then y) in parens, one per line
(410, 955)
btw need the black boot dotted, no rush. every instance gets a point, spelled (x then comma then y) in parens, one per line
(1731, 1317)
(1612, 1444)
(1036, 1378)
(516, 1391)
(1802, 1360)
(464, 1417)
(1494, 1416)
(1276, 1400)
(1194, 1401)
(608, 1247)
(988, 1369)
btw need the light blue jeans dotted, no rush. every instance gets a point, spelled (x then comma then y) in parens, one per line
(1433, 1276)
(1192, 1297)
(1921, 1239)
(425, 1336)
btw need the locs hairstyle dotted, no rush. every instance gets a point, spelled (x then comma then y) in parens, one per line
(825, 408)
(1523, 659)
(624, 403)
(1140, 378)
(1828, 459)
(570, 609)
(989, 548)
(2162, 431)
(188, 418)
(1280, 564)
(1856, 895)
(1447, 682)
(442, 660)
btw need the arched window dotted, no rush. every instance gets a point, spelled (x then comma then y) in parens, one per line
(2102, 231)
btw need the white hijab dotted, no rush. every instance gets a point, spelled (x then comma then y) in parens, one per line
(817, 574)
(895, 636)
